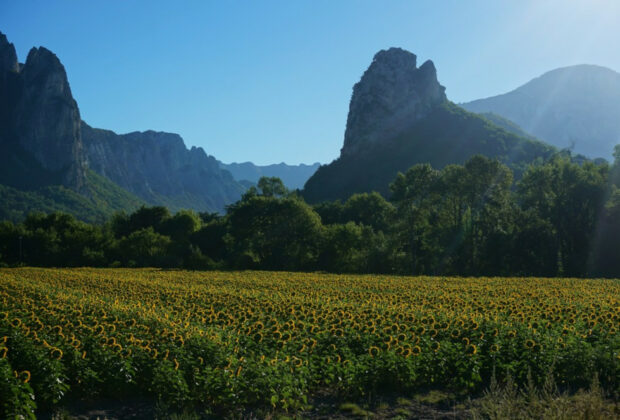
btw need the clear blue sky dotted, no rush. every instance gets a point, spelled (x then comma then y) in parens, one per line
(270, 81)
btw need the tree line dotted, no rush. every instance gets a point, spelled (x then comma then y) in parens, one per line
(562, 218)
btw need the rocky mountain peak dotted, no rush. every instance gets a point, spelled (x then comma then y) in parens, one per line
(8, 57)
(392, 94)
(9, 69)
(47, 118)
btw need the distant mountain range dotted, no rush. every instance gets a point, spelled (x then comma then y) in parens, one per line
(574, 107)
(293, 176)
(52, 160)
(399, 116)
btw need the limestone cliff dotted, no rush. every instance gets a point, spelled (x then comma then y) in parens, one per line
(158, 168)
(391, 96)
(39, 117)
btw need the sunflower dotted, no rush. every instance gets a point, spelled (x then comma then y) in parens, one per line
(26, 375)
(56, 353)
(471, 349)
(435, 346)
(494, 348)
(416, 350)
(529, 343)
(455, 333)
(374, 351)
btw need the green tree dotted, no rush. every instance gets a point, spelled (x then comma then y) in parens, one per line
(145, 248)
(413, 194)
(486, 190)
(571, 198)
(331, 212)
(369, 209)
(276, 233)
(271, 187)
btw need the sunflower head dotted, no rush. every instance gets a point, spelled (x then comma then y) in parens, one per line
(374, 351)
(471, 349)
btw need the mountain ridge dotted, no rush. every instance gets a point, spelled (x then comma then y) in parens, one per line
(431, 130)
(572, 107)
(293, 176)
(158, 167)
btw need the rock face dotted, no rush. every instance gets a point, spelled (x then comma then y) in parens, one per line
(574, 107)
(9, 76)
(8, 57)
(39, 115)
(158, 168)
(391, 96)
(47, 117)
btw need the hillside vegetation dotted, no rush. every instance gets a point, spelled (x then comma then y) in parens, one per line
(99, 201)
(448, 135)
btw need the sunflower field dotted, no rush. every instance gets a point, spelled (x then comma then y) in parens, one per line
(214, 341)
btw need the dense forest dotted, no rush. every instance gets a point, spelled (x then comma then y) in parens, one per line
(561, 218)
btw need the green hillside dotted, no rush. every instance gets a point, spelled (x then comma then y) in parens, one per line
(100, 199)
(449, 134)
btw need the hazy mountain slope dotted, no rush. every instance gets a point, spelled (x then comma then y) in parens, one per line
(400, 116)
(158, 168)
(506, 124)
(574, 107)
(293, 176)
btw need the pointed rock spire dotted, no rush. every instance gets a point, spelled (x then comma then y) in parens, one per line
(392, 94)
